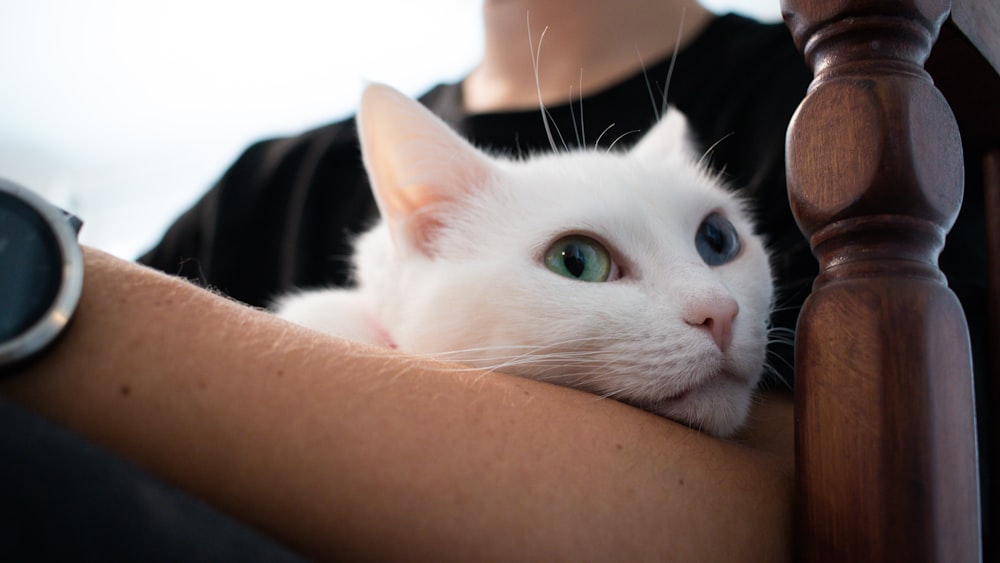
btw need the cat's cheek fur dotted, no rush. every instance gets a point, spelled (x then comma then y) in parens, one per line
(719, 408)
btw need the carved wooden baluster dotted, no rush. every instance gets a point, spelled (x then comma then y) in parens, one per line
(885, 444)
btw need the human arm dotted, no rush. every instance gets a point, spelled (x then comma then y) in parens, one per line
(337, 449)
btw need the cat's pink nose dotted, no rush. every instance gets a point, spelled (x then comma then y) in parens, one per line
(715, 315)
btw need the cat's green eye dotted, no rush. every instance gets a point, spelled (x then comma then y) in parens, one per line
(580, 258)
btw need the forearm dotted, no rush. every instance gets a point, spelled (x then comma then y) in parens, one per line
(334, 448)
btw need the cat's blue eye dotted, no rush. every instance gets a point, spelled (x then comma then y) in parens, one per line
(580, 258)
(717, 241)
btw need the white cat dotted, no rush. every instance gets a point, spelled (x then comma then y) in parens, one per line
(630, 275)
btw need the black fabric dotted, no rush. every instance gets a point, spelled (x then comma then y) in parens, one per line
(64, 499)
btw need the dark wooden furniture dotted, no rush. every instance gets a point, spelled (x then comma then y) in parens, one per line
(885, 432)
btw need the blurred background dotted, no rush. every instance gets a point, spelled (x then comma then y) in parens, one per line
(126, 111)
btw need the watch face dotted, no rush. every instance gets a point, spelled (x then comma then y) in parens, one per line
(30, 266)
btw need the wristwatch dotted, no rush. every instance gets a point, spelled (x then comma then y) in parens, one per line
(41, 273)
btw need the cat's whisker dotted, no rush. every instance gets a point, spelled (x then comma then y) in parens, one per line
(562, 140)
(500, 360)
(772, 354)
(709, 150)
(620, 137)
(781, 335)
(555, 362)
(783, 309)
(540, 360)
(518, 362)
(777, 375)
(597, 143)
(673, 62)
(583, 378)
(787, 331)
(789, 297)
(532, 347)
(478, 352)
(583, 127)
(536, 56)
(649, 87)
(572, 117)
(614, 395)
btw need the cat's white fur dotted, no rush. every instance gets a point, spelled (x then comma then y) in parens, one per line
(455, 268)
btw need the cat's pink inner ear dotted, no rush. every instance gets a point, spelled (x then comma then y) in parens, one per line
(408, 200)
(416, 214)
(415, 161)
(410, 216)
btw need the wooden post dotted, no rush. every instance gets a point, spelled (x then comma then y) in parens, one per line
(991, 436)
(885, 433)
(991, 177)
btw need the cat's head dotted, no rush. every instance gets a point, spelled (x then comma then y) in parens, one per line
(631, 275)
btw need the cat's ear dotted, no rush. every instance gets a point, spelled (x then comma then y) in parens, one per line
(671, 135)
(415, 163)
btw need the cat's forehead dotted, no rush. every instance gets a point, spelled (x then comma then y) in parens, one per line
(639, 210)
(598, 184)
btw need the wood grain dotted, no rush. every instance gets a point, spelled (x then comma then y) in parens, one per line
(885, 432)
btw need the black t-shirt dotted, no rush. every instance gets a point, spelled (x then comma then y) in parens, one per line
(282, 215)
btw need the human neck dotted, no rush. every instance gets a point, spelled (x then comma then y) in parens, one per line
(589, 45)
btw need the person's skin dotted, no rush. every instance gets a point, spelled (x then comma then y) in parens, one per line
(588, 45)
(341, 450)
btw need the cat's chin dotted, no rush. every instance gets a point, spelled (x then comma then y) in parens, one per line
(718, 405)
